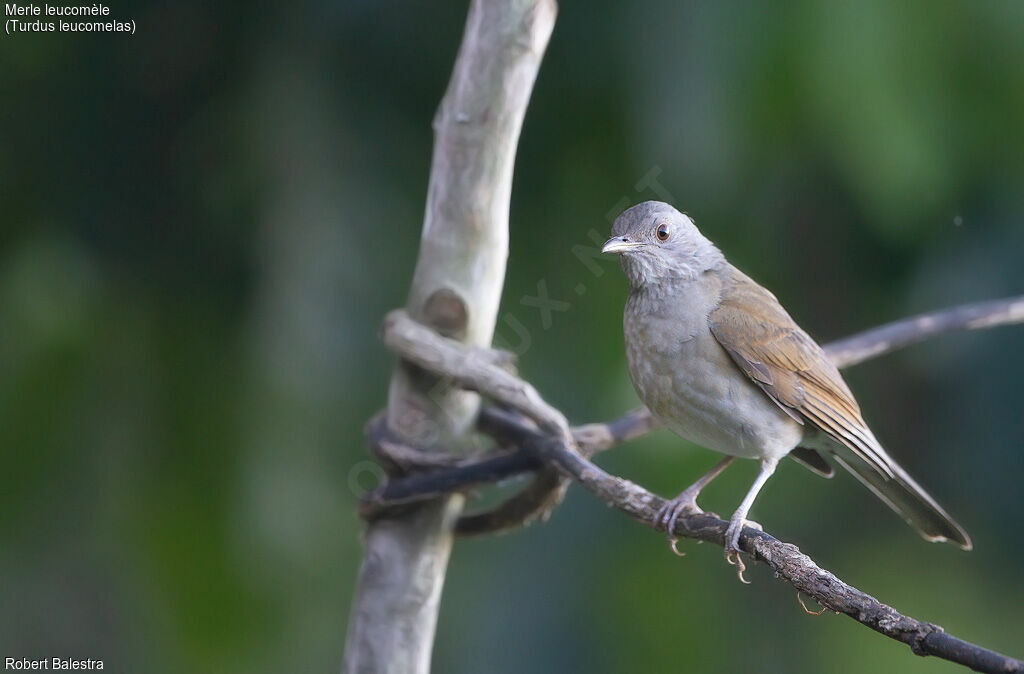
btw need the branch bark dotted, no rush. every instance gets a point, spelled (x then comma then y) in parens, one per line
(434, 475)
(600, 436)
(902, 333)
(544, 435)
(455, 289)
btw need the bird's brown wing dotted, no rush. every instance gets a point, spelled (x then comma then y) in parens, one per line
(772, 350)
(792, 369)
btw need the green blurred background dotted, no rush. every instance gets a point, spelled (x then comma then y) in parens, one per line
(203, 224)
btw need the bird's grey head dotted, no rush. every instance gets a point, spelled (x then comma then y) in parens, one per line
(658, 243)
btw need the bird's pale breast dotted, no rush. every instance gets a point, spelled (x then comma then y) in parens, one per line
(689, 382)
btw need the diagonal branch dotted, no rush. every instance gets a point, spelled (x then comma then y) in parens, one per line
(596, 437)
(785, 559)
(437, 473)
(899, 334)
(544, 434)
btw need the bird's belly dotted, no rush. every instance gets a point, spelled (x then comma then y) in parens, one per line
(695, 390)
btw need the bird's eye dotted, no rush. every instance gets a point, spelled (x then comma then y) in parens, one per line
(662, 232)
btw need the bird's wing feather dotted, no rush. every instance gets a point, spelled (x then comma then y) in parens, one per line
(790, 367)
(794, 371)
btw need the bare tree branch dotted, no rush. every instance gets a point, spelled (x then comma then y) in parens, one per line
(434, 473)
(898, 334)
(545, 435)
(595, 437)
(456, 289)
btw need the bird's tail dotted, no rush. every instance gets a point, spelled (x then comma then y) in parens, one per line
(906, 497)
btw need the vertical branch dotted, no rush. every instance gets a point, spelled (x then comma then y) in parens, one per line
(456, 289)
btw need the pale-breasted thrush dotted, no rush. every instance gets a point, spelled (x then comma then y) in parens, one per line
(717, 360)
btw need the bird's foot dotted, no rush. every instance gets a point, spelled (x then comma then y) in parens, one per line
(732, 545)
(684, 504)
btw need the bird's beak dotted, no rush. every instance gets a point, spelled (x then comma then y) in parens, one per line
(620, 244)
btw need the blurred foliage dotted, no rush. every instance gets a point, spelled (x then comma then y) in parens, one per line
(204, 223)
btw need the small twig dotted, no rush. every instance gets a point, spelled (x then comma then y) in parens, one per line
(553, 444)
(535, 502)
(419, 474)
(399, 457)
(441, 473)
(899, 334)
(540, 497)
(800, 598)
(421, 346)
(546, 491)
(436, 473)
(413, 340)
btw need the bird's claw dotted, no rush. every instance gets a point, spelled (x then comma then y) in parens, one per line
(670, 513)
(733, 557)
(732, 548)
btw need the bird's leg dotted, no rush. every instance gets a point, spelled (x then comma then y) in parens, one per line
(686, 502)
(732, 534)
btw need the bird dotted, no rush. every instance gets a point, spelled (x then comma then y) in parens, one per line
(718, 360)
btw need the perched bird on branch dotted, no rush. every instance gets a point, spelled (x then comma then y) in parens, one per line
(717, 360)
